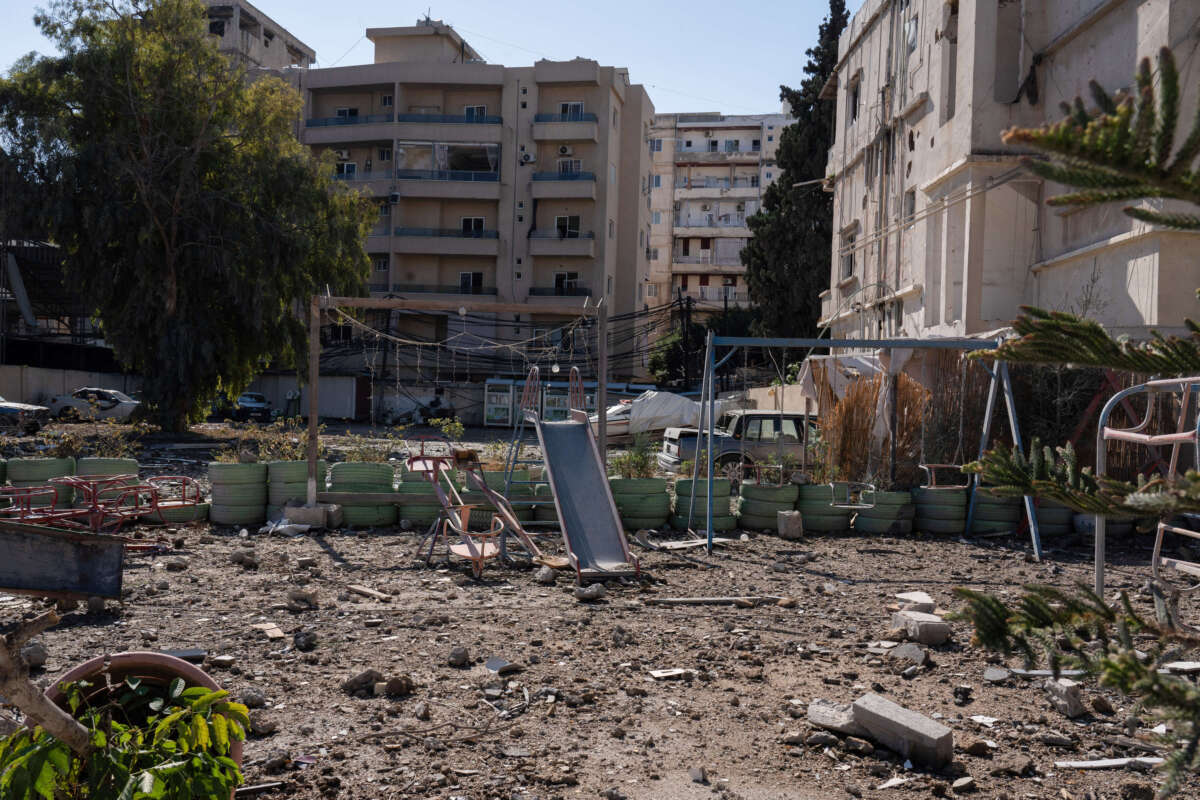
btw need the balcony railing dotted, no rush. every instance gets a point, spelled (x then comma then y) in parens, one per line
(377, 175)
(734, 221)
(715, 183)
(580, 116)
(446, 175)
(377, 287)
(449, 233)
(431, 288)
(560, 291)
(324, 122)
(723, 261)
(564, 176)
(451, 119)
(562, 235)
(715, 294)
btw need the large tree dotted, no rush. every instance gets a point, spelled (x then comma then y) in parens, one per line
(191, 218)
(788, 258)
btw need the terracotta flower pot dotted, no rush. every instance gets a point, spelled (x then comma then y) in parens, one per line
(157, 668)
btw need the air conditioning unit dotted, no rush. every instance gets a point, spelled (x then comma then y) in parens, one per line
(565, 150)
(394, 198)
(528, 158)
(342, 155)
(705, 207)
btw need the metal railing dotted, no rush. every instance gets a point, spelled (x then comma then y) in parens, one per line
(734, 221)
(452, 119)
(448, 233)
(377, 175)
(580, 116)
(560, 291)
(562, 235)
(324, 122)
(446, 175)
(564, 176)
(377, 287)
(722, 261)
(432, 288)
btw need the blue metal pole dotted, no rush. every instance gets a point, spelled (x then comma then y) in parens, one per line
(710, 368)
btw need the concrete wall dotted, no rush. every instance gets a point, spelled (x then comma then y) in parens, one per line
(36, 385)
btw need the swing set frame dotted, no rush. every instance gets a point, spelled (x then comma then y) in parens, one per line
(1000, 381)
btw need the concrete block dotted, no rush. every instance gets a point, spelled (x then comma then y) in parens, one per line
(791, 525)
(317, 516)
(1066, 696)
(836, 717)
(928, 629)
(910, 734)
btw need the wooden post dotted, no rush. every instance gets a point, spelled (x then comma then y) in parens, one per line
(314, 374)
(602, 382)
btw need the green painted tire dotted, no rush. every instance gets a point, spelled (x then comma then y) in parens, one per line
(722, 506)
(295, 472)
(755, 522)
(763, 508)
(887, 499)
(944, 526)
(422, 488)
(825, 524)
(871, 525)
(497, 479)
(985, 498)
(368, 516)
(239, 494)
(638, 523)
(720, 487)
(279, 494)
(1053, 515)
(785, 494)
(637, 486)
(643, 505)
(989, 513)
(724, 523)
(1051, 529)
(36, 471)
(949, 513)
(816, 493)
(230, 474)
(106, 466)
(940, 497)
(64, 496)
(175, 513)
(373, 473)
(237, 515)
(989, 526)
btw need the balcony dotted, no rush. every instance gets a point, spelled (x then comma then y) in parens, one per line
(339, 130)
(580, 127)
(711, 265)
(446, 241)
(557, 243)
(431, 288)
(367, 119)
(716, 187)
(376, 183)
(712, 225)
(450, 127)
(451, 119)
(578, 185)
(560, 291)
(716, 156)
(717, 296)
(448, 183)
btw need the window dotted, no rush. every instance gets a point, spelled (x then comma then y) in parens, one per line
(474, 113)
(712, 145)
(612, 229)
(570, 166)
(768, 176)
(687, 144)
(770, 138)
(848, 241)
(384, 209)
(656, 217)
(571, 111)
(381, 263)
(641, 238)
(472, 226)
(652, 289)
(612, 173)
(614, 118)
(755, 145)
(524, 104)
(729, 280)
(345, 112)
(653, 255)
(657, 183)
(910, 204)
(567, 227)
(753, 181)
(217, 27)
(704, 280)
(853, 97)
(385, 101)
(656, 145)
(565, 282)
(910, 33)
(609, 288)
(470, 282)
(385, 154)
(346, 169)
(732, 146)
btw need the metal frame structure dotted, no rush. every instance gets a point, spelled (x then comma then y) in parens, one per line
(1000, 381)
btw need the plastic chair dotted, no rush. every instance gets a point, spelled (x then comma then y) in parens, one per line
(475, 546)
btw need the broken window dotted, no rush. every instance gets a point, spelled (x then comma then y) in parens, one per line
(470, 283)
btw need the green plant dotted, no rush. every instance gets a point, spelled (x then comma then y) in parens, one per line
(287, 440)
(1124, 651)
(636, 462)
(146, 742)
(114, 440)
(451, 427)
(360, 448)
(67, 444)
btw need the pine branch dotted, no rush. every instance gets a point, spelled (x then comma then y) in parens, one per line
(1187, 222)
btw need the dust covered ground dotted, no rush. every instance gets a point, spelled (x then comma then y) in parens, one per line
(580, 714)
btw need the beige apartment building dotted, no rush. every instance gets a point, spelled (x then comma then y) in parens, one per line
(937, 230)
(252, 38)
(708, 174)
(514, 184)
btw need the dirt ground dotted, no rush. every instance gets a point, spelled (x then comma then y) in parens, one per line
(580, 715)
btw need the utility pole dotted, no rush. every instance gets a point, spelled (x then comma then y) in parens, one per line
(687, 350)
(602, 380)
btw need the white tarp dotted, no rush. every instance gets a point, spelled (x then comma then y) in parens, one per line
(655, 411)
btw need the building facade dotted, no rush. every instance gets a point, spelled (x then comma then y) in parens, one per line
(253, 39)
(708, 174)
(514, 184)
(937, 229)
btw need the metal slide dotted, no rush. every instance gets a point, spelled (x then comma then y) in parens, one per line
(587, 512)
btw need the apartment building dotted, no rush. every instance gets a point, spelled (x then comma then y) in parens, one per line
(250, 37)
(937, 229)
(518, 184)
(708, 174)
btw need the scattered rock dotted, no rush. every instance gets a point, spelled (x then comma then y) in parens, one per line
(307, 562)
(400, 686)
(1101, 705)
(962, 695)
(459, 657)
(697, 774)
(1065, 695)
(996, 675)
(277, 762)
(421, 711)
(910, 652)
(95, 605)
(363, 680)
(252, 698)
(222, 662)
(261, 724)
(963, 785)
(1135, 790)
(305, 641)
(35, 654)
(821, 739)
(977, 748)
(836, 717)
(545, 576)
(176, 564)
(852, 744)
(927, 629)
(910, 734)
(591, 592)
(1012, 766)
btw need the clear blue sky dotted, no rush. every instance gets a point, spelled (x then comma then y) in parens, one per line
(705, 55)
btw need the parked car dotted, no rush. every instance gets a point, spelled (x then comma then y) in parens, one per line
(252, 405)
(93, 403)
(22, 416)
(749, 436)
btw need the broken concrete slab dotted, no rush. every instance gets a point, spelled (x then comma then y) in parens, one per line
(916, 601)
(911, 652)
(910, 734)
(928, 629)
(836, 717)
(1066, 695)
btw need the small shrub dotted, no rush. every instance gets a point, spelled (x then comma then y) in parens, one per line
(360, 448)
(636, 462)
(287, 440)
(451, 427)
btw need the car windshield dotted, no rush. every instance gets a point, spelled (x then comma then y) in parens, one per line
(120, 397)
(250, 397)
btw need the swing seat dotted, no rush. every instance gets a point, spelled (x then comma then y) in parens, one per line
(930, 471)
(851, 494)
(476, 547)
